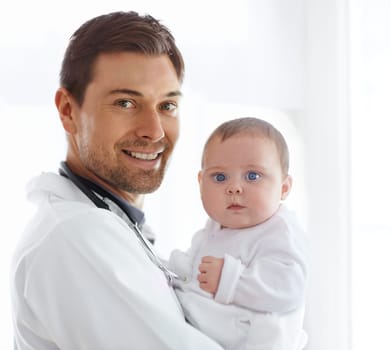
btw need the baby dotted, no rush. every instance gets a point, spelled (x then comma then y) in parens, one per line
(245, 272)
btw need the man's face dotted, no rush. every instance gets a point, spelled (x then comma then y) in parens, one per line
(128, 124)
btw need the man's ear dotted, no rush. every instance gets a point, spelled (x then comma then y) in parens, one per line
(66, 107)
(286, 187)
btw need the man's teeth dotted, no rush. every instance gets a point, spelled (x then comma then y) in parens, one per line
(144, 156)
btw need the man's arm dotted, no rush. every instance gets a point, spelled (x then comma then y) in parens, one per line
(92, 286)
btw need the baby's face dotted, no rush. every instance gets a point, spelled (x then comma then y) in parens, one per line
(241, 182)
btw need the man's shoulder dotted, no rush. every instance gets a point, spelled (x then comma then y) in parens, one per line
(49, 184)
(63, 218)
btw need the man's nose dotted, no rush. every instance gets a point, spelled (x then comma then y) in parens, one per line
(150, 125)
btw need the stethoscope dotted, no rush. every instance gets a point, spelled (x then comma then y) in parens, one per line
(90, 189)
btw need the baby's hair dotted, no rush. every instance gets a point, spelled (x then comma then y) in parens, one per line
(253, 127)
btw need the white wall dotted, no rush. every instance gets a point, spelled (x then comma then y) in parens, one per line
(371, 91)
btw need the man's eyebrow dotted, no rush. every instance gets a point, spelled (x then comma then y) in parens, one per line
(138, 93)
(126, 91)
(174, 93)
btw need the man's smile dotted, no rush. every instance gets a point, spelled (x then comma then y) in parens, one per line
(142, 155)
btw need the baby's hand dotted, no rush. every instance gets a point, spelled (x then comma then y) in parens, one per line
(210, 273)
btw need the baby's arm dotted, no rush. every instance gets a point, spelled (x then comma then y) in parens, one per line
(273, 280)
(268, 284)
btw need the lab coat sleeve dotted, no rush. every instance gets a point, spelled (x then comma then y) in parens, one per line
(274, 280)
(97, 289)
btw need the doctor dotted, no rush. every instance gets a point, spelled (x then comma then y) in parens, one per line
(82, 277)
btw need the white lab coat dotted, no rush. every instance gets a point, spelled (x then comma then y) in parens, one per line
(259, 303)
(81, 280)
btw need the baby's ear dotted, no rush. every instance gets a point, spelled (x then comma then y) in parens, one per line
(200, 177)
(286, 187)
(200, 181)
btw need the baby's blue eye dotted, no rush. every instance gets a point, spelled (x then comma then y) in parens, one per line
(219, 177)
(252, 176)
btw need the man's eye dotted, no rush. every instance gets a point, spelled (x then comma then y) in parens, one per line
(125, 103)
(252, 176)
(168, 106)
(219, 177)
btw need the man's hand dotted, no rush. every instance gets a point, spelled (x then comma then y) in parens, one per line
(210, 273)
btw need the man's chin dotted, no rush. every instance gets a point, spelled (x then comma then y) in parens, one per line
(145, 184)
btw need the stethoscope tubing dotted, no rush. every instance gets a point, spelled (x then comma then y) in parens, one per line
(67, 172)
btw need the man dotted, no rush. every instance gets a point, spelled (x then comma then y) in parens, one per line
(81, 278)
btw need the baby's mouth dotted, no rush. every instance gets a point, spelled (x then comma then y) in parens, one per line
(235, 206)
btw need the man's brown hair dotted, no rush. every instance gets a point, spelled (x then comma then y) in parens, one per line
(110, 33)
